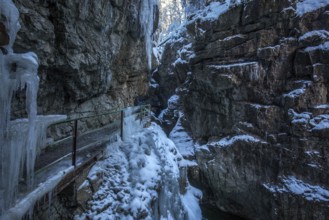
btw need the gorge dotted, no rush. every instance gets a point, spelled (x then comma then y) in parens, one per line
(240, 90)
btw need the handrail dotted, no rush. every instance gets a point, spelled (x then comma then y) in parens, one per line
(97, 115)
(143, 110)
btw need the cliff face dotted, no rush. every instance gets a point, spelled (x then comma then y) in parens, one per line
(92, 53)
(256, 101)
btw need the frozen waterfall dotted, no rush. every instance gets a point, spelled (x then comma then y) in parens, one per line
(146, 18)
(19, 138)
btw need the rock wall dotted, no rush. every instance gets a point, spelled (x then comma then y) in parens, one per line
(253, 87)
(92, 54)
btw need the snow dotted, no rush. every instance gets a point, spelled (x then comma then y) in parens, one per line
(300, 91)
(291, 184)
(295, 93)
(324, 46)
(179, 61)
(320, 122)
(188, 163)
(233, 37)
(306, 6)
(321, 34)
(250, 68)
(215, 9)
(312, 152)
(182, 139)
(259, 106)
(242, 64)
(314, 165)
(228, 141)
(210, 12)
(203, 147)
(184, 54)
(321, 106)
(305, 115)
(301, 118)
(173, 100)
(173, 103)
(141, 181)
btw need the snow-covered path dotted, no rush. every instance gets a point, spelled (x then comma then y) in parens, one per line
(141, 180)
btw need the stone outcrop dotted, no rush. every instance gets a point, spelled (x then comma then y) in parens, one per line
(256, 102)
(92, 54)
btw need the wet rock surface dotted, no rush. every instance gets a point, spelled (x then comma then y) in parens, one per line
(257, 106)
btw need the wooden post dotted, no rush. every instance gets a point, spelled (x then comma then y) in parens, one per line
(122, 123)
(74, 143)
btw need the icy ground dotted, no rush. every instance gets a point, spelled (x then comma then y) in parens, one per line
(142, 180)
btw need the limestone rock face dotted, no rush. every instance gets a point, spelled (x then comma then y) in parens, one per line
(92, 53)
(257, 104)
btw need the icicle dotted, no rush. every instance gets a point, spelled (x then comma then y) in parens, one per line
(132, 124)
(146, 18)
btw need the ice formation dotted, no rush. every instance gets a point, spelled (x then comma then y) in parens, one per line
(146, 18)
(19, 138)
(132, 124)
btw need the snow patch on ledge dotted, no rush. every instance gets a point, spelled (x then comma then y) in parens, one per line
(320, 122)
(322, 34)
(324, 46)
(234, 65)
(321, 106)
(299, 118)
(300, 91)
(227, 141)
(295, 93)
(307, 6)
(291, 184)
(215, 9)
(248, 70)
